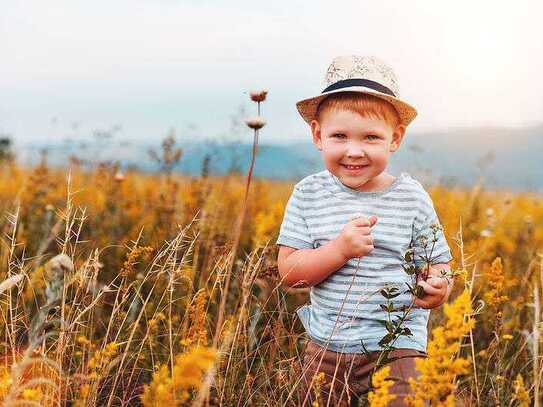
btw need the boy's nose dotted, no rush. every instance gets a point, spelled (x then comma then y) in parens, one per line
(355, 152)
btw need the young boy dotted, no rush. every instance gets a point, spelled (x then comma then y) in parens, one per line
(346, 230)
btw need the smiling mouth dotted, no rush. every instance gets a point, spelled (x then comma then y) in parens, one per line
(354, 167)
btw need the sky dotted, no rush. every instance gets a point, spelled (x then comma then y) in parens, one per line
(142, 67)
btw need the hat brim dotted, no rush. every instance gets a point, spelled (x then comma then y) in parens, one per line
(308, 107)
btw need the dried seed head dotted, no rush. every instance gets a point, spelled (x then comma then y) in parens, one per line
(58, 266)
(258, 95)
(119, 177)
(255, 123)
(10, 282)
(55, 270)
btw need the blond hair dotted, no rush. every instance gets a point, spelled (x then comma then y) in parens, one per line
(363, 104)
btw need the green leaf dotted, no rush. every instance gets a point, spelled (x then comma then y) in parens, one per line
(364, 349)
(411, 289)
(382, 322)
(390, 293)
(389, 327)
(410, 270)
(386, 339)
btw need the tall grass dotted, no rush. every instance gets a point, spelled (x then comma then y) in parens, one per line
(114, 285)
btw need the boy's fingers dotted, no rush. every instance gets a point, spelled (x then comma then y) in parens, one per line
(434, 272)
(437, 282)
(422, 303)
(361, 221)
(428, 289)
(364, 230)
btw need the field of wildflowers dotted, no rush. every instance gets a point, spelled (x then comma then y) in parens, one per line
(121, 289)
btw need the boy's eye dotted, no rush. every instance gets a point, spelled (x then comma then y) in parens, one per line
(338, 135)
(373, 136)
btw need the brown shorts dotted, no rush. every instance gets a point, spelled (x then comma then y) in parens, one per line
(346, 375)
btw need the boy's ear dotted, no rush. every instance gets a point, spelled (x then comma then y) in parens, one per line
(316, 132)
(397, 137)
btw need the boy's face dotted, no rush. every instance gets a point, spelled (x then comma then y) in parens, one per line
(347, 138)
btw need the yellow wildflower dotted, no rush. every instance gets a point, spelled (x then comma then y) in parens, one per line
(507, 337)
(318, 381)
(267, 222)
(197, 334)
(188, 371)
(5, 381)
(37, 283)
(496, 282)
(521, 394)
(32, 394)
(82, 340)
(380, 396)
(462, 273)
(102, 357)
(84, 390)
(436, 383)
(131, 262)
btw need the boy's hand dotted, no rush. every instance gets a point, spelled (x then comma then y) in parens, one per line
(436, 290)
(355, 239)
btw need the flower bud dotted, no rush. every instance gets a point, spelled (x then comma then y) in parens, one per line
(258, 95)
(119, 177)
(255, 123)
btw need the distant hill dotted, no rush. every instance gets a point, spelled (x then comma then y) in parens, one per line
(509, 158)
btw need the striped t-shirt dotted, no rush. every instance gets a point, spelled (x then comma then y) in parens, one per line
(345, 311)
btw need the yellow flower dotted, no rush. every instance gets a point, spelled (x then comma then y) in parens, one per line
(318, 381)
(131, 262)
(5, 381)
(267, 223)
(37, 283)
(496, 281)
(197, 333)
(380, 397)
(188, 371)
(507, 337)
(84, 390)
(32, 394)
(462, 273)
(82, 340)
(438, 372)
(101, 359)
(521, 394)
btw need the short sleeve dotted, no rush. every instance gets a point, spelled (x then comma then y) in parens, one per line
(294, 231)
(428, 237)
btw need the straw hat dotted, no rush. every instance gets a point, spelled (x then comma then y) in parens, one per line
(364, 74)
